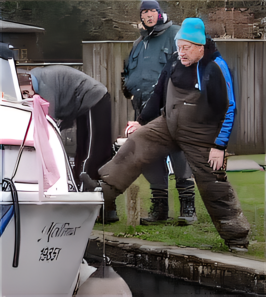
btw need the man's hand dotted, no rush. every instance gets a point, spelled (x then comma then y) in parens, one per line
(132, 127)
(216, 158)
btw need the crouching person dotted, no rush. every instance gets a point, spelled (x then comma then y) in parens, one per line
(75, 96)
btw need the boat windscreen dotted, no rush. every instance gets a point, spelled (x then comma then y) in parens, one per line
(9, 88)
(5, 52)
(14, 123)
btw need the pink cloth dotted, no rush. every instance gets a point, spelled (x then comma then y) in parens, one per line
(41, 142)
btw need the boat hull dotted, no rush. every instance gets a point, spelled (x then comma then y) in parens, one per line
(53, 240)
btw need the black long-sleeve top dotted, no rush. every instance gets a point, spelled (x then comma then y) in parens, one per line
(214, 102)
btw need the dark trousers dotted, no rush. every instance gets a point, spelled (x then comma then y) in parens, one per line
(180, 165)
(156, 172)
(94, 140)
(154, 141)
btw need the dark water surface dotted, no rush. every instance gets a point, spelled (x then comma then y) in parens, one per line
(147, 284)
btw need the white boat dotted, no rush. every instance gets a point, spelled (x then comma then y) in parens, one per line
(44, 230)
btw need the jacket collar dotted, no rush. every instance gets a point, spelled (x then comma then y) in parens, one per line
(156, 31)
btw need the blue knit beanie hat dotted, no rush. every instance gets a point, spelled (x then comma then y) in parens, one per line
(193, 30)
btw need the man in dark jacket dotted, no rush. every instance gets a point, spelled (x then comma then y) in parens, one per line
(149, 54)
(192, 121)
(75, 96)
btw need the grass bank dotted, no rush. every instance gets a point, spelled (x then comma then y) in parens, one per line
(250, 188)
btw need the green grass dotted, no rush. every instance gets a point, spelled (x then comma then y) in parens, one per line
(250, 188)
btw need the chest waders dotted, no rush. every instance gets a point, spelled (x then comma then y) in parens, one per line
(184, 185)
(186, 114)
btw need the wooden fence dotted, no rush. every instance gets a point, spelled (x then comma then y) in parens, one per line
(247, 60)
(104, 61)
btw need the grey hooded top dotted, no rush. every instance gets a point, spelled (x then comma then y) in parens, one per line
(70, 92)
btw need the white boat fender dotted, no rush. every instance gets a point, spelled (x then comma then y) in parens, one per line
(85, 271)
(111, 285)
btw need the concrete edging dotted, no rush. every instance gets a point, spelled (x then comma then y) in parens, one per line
(220, 270)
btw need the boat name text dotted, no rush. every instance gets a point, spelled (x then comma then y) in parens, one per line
(58, 230)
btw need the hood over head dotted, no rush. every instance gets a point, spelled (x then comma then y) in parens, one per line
(153, 4)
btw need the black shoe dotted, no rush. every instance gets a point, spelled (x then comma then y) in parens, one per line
(187, 220)
(186, 191)
(151, 221)
(109, 217)
(238, 245)
(158, 210)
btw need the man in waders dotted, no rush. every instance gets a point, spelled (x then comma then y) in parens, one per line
(184, 183)
(192, 121)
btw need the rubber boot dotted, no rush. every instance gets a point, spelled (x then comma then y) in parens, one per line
(159, 208)
(238, 245)
(88, 184)
(109, 194)
(186, 190)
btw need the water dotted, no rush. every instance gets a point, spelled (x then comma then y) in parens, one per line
(147, 284)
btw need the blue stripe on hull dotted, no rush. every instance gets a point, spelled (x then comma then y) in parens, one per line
(7, 212)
